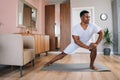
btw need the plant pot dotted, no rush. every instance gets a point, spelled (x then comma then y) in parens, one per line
(107, 51)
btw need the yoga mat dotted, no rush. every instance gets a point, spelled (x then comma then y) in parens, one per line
(82, 67)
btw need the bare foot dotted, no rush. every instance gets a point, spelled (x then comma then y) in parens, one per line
(47, 64)
(93, 67)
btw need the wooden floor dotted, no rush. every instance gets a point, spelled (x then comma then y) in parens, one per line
(34, 73)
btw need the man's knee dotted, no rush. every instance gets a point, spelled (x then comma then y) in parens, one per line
(94, 50)
(63, 54)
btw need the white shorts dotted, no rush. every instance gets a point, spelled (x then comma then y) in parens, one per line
(72, 47)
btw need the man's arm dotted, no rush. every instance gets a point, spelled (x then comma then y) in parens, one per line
(92, 45)
(101, 34)
(78, 42)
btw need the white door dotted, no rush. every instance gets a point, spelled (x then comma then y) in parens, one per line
(75, 19)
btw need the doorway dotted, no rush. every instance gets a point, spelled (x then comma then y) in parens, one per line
(50, 25)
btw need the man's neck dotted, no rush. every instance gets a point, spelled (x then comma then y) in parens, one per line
(84, 25)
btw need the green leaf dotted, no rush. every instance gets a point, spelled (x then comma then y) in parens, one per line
(107, 37)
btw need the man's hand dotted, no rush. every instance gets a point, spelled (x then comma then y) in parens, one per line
(92, 46)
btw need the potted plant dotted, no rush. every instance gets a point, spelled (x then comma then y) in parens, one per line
(108, 42)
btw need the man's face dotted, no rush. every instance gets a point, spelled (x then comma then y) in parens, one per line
(85, 18)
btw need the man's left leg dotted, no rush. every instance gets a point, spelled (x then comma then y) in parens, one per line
(92, 58)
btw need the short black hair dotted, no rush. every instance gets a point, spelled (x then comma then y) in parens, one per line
(83, 12)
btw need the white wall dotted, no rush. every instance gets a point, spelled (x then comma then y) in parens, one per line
(100, 6)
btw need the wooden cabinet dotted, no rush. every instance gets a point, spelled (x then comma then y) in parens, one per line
(41, 43)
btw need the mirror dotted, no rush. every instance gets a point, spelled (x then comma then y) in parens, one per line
(27, 16)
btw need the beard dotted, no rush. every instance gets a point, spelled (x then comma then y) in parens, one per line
(86, 22)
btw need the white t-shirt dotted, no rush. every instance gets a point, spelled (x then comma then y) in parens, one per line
(85, 35)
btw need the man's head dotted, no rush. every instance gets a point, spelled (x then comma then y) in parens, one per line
(84, 15)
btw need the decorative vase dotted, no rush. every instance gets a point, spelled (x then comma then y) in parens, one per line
(107, 51)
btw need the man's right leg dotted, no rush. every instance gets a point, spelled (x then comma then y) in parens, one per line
(68, 50)
(58, 57)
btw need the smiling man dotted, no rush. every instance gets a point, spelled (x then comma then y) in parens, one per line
(82, 34)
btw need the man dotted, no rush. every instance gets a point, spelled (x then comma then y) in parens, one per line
(81, 34)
